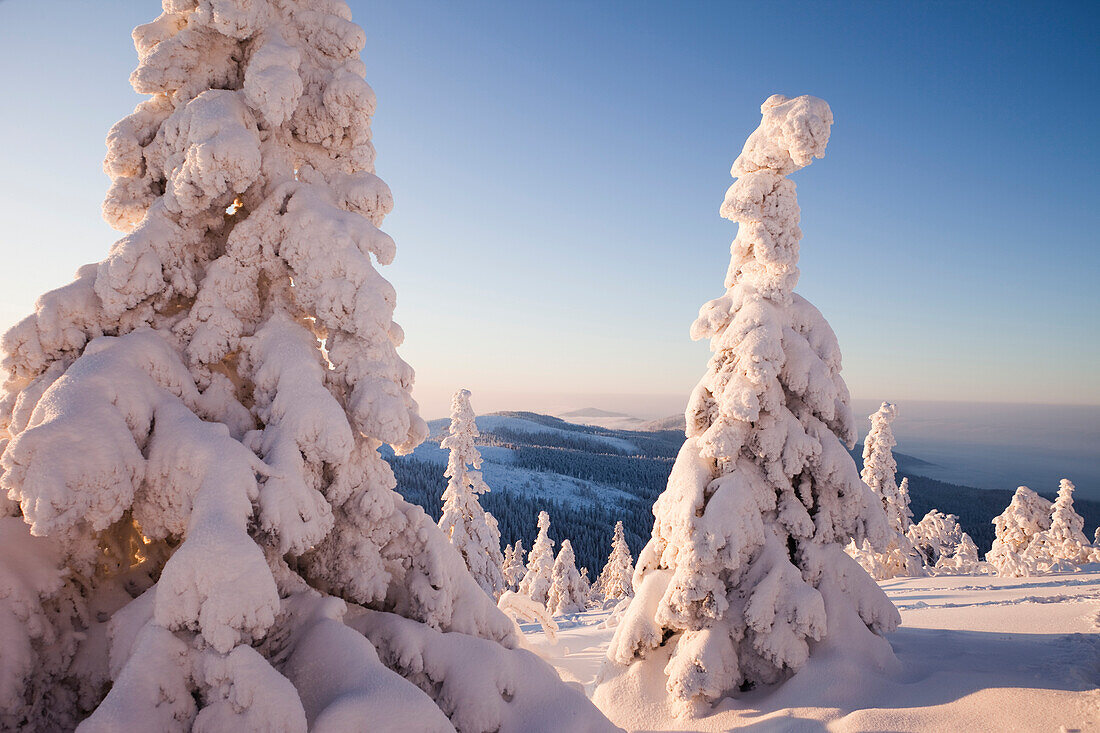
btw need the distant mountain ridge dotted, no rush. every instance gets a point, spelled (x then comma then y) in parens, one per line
(588, 477)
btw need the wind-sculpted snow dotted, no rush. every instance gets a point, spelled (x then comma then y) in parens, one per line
(745, 569)
(190, 430)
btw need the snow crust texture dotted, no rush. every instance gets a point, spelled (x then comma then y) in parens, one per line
(189, 431)
(745, 571)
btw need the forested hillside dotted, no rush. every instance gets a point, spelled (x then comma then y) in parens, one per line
(589, 477)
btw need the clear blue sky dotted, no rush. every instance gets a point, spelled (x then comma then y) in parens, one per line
(558, 167)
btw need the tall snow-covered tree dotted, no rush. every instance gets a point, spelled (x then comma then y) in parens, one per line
(190, 430)
(746, 567)
(535, 583)
(898, 558)
(514, 568)
(1064, 543)
(615, 580)
(568, 592)
(471, 529)
(1026, 516)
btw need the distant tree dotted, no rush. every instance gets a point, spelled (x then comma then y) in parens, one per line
(905, 514)
(535, 583)
(1064, 544)
(898, 557)
(739, 578)
(514, 568)
(963, 561)
(616, 579)
(471, 529)
(568, 593)
(936, 535)
(1027, 515)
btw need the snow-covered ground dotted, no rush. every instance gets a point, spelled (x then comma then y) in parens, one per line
(975, 653)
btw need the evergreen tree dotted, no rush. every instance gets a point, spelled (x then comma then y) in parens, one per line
(964, 560)
(616, 579)
(1027, 515)
(568, 592)
(191, 428)
(898, 558)
(471, 529)
(936, 536)
(1064, 544)
(514, 569)
(535, 583)
(746, 564)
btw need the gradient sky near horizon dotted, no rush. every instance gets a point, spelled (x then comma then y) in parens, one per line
(557, 170)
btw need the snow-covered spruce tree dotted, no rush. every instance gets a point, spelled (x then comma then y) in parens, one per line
(964, 560)
(514, 569)
(568, 592)
(535, 583)
(615, 580)
(898, 558)
(471, 529)
(1027, 515)
(905, 513)
(746, 564)
(936, 535)
(1064, 545)
(200, 520)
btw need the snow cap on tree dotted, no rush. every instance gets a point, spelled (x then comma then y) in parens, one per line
(471, 529)
(191, 427)
(568, 592)
(616, 579)
(535, 583)
(746, 566)
(1027, 515)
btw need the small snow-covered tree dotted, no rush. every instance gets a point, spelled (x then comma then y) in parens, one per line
(1064, 544)
(535, 583)
(963, 561)
(191, 429)
(615, 580)
(568, 592)
(936, 535)
(471, 529)
(898, 557)
(514, 568)
(1026, 516)
(746, 566)
(905, 514)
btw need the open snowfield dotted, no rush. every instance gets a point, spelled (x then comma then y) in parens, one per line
(975, 653)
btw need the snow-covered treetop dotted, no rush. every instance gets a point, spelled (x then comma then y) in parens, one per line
(460, 442)
(791, 134)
